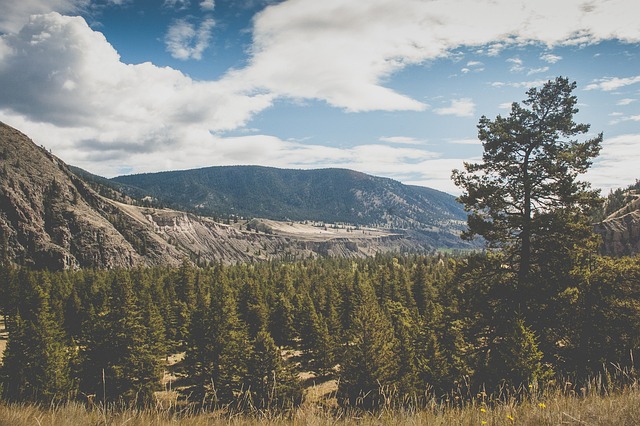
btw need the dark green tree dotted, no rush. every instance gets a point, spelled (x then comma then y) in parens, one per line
(528, 177)
(314, 336)
(513, 358)
(120, 358)
(36, 361)
(282, 323)
(369, 367)
(218, 345)
(272, 382)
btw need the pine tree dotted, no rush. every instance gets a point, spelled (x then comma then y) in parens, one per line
(282, 322)
(528, 178)
(369, 366)
(218, 346)
(514, 358)
(273, 384)
(120, 357)
(36, 361)
(314, 335)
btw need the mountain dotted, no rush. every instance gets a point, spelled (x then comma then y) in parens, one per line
(326, 195)
(52, 217)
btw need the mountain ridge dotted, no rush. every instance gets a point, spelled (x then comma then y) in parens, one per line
(330, 195)
(52, 218)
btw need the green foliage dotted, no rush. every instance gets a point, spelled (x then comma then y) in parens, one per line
(392, 331)
(370, 363)
(219, 346)
(119, 352)
(528, 176)
(35, 364)
(272, 382)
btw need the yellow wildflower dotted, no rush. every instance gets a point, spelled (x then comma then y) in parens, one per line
(510, 418)
(482, 410)
(542, 405)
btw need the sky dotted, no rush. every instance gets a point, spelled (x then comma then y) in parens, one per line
(392, 88)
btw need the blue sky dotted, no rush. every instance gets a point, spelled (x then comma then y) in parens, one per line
(393, 88)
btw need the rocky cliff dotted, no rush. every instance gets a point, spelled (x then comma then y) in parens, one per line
(49, 218)
(620, 231)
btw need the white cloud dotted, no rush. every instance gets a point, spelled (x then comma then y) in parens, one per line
(15, 13)
(344, 50)
(77, 83)
(475, 66)
(551, 58)
(65, 85)
(207, 5)
(537, 70)
(177, 4)
(185, 41)
(612, 83)
(436, 173)
(516, 64)
(505, 105)
(622, 118)
(617, 163)
(463, 107)
(625, 101)
(405, 140)
(519, 84)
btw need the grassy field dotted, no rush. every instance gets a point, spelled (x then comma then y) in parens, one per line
(554, 408)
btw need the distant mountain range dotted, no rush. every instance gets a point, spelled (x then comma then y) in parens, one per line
(56, 217)
(328, 195)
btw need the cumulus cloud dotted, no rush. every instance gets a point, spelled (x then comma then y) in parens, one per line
(186, 41)
(463, 107)
(59, 71)
(344, 50)
(612, 83)
(62, 82)
(208, 5)
(15, 13)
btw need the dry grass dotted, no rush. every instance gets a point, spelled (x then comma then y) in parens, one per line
(3, 336)
(555, 408)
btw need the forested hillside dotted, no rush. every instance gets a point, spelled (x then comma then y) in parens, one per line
(330, 195)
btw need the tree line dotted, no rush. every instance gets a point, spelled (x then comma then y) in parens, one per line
(392, 329)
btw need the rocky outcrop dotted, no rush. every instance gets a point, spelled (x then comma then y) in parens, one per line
(48, 218)
(621, 231)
